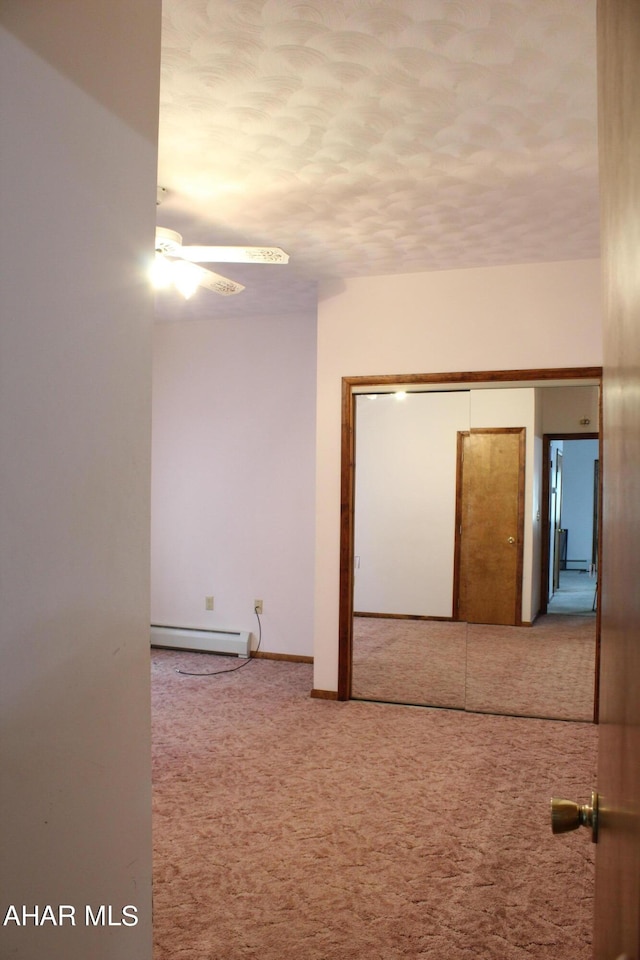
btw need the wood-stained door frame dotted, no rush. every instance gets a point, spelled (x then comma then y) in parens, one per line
(351, 387)
(462, 434)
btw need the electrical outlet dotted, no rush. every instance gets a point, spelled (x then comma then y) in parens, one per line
(208, 603)
(257, 606)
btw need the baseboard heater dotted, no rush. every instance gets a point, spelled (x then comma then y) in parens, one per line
(236, 642)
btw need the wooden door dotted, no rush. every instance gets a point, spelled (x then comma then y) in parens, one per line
(617, 901)
(489, 528)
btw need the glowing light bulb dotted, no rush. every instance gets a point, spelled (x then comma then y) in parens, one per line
(186, 277)
(161, 272)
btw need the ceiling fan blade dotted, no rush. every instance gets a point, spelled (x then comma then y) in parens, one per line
(234, 254)
(222, 285)
(168, 242)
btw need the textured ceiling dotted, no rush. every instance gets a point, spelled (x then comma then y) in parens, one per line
(378, 136)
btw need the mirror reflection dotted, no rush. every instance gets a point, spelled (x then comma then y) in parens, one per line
(475, 580)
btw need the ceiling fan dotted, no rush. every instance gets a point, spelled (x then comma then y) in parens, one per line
(180, 265)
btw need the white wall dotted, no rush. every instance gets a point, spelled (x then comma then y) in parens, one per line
(233, 475)
(78, 120)
(405, 497)
(564, 407)
(520, 317)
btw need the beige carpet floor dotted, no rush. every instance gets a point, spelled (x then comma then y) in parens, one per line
(288, 827)
(547, 670)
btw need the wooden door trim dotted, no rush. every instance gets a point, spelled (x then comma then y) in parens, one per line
(476, 376)
(522, 462)
(347, 483)
(347, 508)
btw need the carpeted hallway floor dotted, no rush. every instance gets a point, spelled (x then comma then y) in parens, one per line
(576, 593)
(286, 827)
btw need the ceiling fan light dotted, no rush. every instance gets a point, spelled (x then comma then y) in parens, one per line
(161, 272)
(186, 277)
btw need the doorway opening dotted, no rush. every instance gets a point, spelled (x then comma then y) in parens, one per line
(571, 497)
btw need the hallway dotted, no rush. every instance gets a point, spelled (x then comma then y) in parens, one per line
(576, 594)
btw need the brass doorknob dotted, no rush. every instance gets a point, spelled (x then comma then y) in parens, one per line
(567, 815)
(511, 539)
